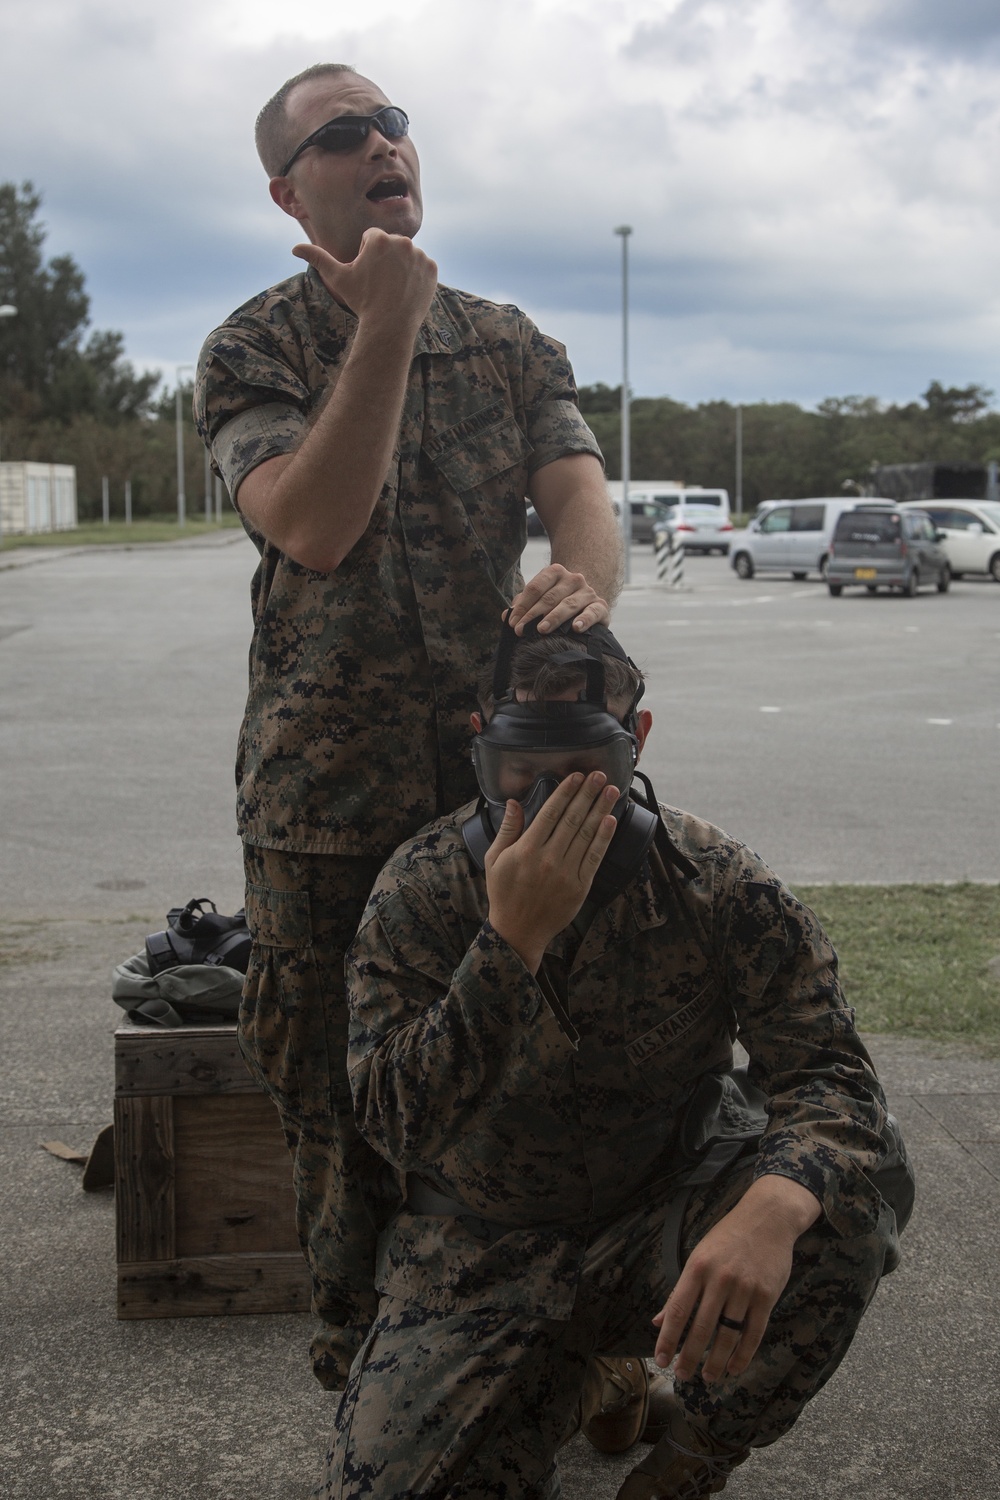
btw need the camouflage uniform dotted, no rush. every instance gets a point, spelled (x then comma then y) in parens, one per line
(550, 1109)
(361, 684)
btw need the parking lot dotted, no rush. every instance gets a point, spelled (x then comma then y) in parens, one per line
(845, 739)
(850, 739)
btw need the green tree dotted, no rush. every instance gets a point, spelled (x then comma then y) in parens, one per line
(600, 397)
(957, 403)
(46, 370)
(789, 452)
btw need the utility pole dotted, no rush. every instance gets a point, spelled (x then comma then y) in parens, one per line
(181, 497)
(739, 460)
(625, 230)
(7, 310)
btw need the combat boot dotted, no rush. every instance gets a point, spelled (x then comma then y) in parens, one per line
(685, 1464)
(622, 1403)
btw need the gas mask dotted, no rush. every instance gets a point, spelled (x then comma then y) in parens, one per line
(527, 749)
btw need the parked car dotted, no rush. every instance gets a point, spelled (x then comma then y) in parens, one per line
(884, 546)
(700, 517)
(648, 516)
(789, 536)
(535, 527)
(970, 533)
(702, 521)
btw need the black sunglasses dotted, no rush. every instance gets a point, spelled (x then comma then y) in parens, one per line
(347, 132)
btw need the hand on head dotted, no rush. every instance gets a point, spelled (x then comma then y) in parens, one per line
(554, 595)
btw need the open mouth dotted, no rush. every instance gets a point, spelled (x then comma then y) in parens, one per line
(387, 187)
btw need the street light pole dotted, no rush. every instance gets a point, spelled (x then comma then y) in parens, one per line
(7, 310)
(181, 497)
(625, 230)
(739, 460)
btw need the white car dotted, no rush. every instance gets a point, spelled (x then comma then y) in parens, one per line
(970, 533)
(699, 516)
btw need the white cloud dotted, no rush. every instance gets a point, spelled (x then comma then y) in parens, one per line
(813, 184)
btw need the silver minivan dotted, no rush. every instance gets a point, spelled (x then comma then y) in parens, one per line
(789, 536)
(881, 546)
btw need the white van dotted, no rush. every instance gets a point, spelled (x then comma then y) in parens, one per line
(789, 536)
(699, 516)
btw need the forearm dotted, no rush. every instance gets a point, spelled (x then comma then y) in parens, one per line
(571, 498)
(422, 1082)
(826, 1109)
(316, 503)
(779, 1207)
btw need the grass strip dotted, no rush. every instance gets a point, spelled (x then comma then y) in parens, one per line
(916, 959)
(149, 529)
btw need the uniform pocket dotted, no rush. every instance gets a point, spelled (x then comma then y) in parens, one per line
(757, 940)
(687, 1042)
(477, 449)
(278, 919)
(484, 459)
(286, 1031)
(438, 1262)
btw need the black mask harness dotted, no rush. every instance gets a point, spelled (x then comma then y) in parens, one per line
(527, 749)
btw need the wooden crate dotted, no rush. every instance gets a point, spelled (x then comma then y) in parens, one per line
(203, 1181)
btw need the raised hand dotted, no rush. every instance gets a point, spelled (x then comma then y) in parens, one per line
(389, 281)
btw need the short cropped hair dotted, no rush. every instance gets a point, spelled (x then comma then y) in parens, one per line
(534, 671)
(271, 132)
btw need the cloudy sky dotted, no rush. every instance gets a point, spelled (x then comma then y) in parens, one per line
(813, 184)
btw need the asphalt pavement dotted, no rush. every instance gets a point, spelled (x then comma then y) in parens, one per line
(845, 739)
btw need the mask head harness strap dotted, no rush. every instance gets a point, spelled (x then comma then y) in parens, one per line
(568, 725)
(599, 642)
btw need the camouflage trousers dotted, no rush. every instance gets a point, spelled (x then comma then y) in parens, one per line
(472, 1404)
(303, 911)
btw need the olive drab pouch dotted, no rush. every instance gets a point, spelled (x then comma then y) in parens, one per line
(190, 974)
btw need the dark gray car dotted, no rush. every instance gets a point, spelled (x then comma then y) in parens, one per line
(880, 546)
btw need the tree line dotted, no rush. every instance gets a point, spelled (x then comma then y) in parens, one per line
(788, 451)
(68, 394)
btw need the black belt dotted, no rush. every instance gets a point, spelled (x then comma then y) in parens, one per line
(424, 1199)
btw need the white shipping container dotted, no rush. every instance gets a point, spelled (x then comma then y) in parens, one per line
(37, 497)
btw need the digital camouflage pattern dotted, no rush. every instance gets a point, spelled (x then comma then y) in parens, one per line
(303, 910)
(361, 683)
(550, 1110)
(362, 680)
(546, 1114)
(473, 1403)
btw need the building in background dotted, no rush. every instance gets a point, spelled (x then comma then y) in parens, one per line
(37, 497)
(932, 481)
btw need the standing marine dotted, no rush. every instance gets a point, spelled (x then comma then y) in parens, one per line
(379, 434)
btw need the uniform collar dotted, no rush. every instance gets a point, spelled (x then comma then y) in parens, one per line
(439, 333)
